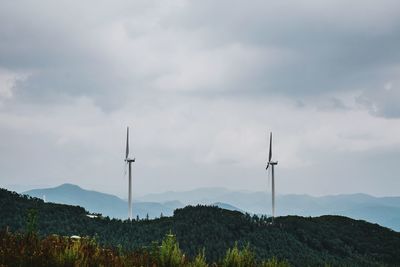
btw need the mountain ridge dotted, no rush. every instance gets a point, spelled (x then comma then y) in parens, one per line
(98, 202)
(382, 210)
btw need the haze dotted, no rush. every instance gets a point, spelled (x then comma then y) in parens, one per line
(201, 83)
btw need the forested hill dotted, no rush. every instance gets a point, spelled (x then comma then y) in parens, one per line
(302, 241)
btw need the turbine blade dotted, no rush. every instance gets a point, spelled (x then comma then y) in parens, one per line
(270, 147)
(127, 143)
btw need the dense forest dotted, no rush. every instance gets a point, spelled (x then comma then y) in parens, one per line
(332, 240)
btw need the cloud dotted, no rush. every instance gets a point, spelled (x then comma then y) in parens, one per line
(382, 102)
(335, 41)
(261, 48)
(201, 83)
(8, 83)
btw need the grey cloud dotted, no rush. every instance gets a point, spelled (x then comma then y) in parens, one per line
(330, 47)
(200, 82)
(332, 103)
(61, 47)
(383, 102)
(315, 49)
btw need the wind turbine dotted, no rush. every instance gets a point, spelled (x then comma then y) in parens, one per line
(129, 162)
(272, 164)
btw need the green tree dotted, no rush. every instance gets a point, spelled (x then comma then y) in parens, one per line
(200, 260)
(170, 253)
(236, 257)
(31, 223)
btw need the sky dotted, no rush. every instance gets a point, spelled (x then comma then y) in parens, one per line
(201, 84)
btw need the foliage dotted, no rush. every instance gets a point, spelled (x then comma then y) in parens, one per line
(274, 262)
(236, 257)
(31, 226)
(170, 254)
(200, 260)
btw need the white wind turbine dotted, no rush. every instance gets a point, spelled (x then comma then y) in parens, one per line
(272, 164)
(129, 162)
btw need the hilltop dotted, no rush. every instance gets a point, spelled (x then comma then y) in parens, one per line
(301, 240)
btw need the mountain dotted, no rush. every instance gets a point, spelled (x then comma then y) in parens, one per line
(106, 204)
(303, 241)
(382, 210)
(226, 206)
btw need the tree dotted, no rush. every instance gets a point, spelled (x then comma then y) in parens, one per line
(31, 224)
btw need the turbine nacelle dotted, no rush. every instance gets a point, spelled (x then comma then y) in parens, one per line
(271, 163)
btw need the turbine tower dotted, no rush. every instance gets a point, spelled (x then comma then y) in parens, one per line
(129, 162)
(272, 164)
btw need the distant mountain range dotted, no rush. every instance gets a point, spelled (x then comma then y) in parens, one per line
(382, 210)
(107, 204)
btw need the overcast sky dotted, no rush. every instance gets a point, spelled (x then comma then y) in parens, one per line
(201, 83)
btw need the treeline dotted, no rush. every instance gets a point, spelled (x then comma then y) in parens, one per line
(301, 241)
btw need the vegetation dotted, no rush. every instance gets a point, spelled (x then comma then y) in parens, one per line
(205, 235)
(53, 251)
(170, 254)
(240, 258)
